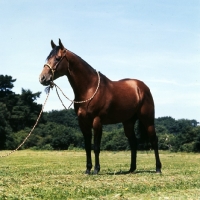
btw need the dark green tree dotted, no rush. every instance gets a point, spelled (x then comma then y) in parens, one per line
(114, 140)
(25, 111)
(64, 117)
(197, 139)
(7, 98)
(6, 84)
(5, 128)
(6, 95)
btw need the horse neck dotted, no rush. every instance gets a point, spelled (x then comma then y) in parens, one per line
(81, 75)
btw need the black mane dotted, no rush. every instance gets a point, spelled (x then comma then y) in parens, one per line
(53, 52)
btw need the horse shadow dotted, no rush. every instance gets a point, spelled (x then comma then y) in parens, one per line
(128, 172)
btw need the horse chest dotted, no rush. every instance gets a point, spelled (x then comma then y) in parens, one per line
(83, 113)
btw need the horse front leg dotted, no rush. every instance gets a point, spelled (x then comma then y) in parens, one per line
(97, 142)
(88, 138)
(87, 134)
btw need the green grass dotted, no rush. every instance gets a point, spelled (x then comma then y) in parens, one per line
(60, 175)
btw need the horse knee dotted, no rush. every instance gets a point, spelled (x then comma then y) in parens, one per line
(151, 131)
(96, 149)
(154, 142)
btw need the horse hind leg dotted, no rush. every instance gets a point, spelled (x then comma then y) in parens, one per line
(130, 134)
(154, 143)
(152, 138)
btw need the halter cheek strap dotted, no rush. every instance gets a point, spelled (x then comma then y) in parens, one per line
(52, 70)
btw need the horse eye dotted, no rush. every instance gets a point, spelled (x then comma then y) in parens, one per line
(58, 58)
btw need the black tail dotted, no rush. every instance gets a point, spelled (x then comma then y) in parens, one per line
(142, 136)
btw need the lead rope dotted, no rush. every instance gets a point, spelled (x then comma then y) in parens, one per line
(72, 101)
(48, 90)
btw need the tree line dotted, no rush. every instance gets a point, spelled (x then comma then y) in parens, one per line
(59, 130)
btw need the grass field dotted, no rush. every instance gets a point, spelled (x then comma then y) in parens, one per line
(60, 175)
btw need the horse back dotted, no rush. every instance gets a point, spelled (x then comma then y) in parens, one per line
(118, 101)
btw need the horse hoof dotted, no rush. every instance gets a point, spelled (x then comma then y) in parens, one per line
(132, 169)
(87, 172)
(96, 171)
(158, 171)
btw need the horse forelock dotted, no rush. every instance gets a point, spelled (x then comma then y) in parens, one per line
(53, 52)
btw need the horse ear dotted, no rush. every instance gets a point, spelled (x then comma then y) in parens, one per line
(61, 45)
(53, 44)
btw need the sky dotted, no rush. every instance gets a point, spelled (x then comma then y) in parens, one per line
(156, 41)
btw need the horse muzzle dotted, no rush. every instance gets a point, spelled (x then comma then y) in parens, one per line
(45, 79)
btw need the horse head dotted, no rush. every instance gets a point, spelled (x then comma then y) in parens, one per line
(54, 67)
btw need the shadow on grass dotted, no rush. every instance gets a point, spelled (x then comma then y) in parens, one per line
(136, 172)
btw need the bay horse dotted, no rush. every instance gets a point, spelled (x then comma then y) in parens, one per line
(99, 101)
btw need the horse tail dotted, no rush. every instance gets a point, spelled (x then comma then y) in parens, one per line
(142, 136)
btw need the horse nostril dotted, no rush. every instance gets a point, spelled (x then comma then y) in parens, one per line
(42, 78)
(51, 78)
(45, 79)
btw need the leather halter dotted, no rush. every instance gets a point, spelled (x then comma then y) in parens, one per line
(53, 69)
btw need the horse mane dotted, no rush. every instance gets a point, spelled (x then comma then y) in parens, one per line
(55, 51)
(81, 60)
